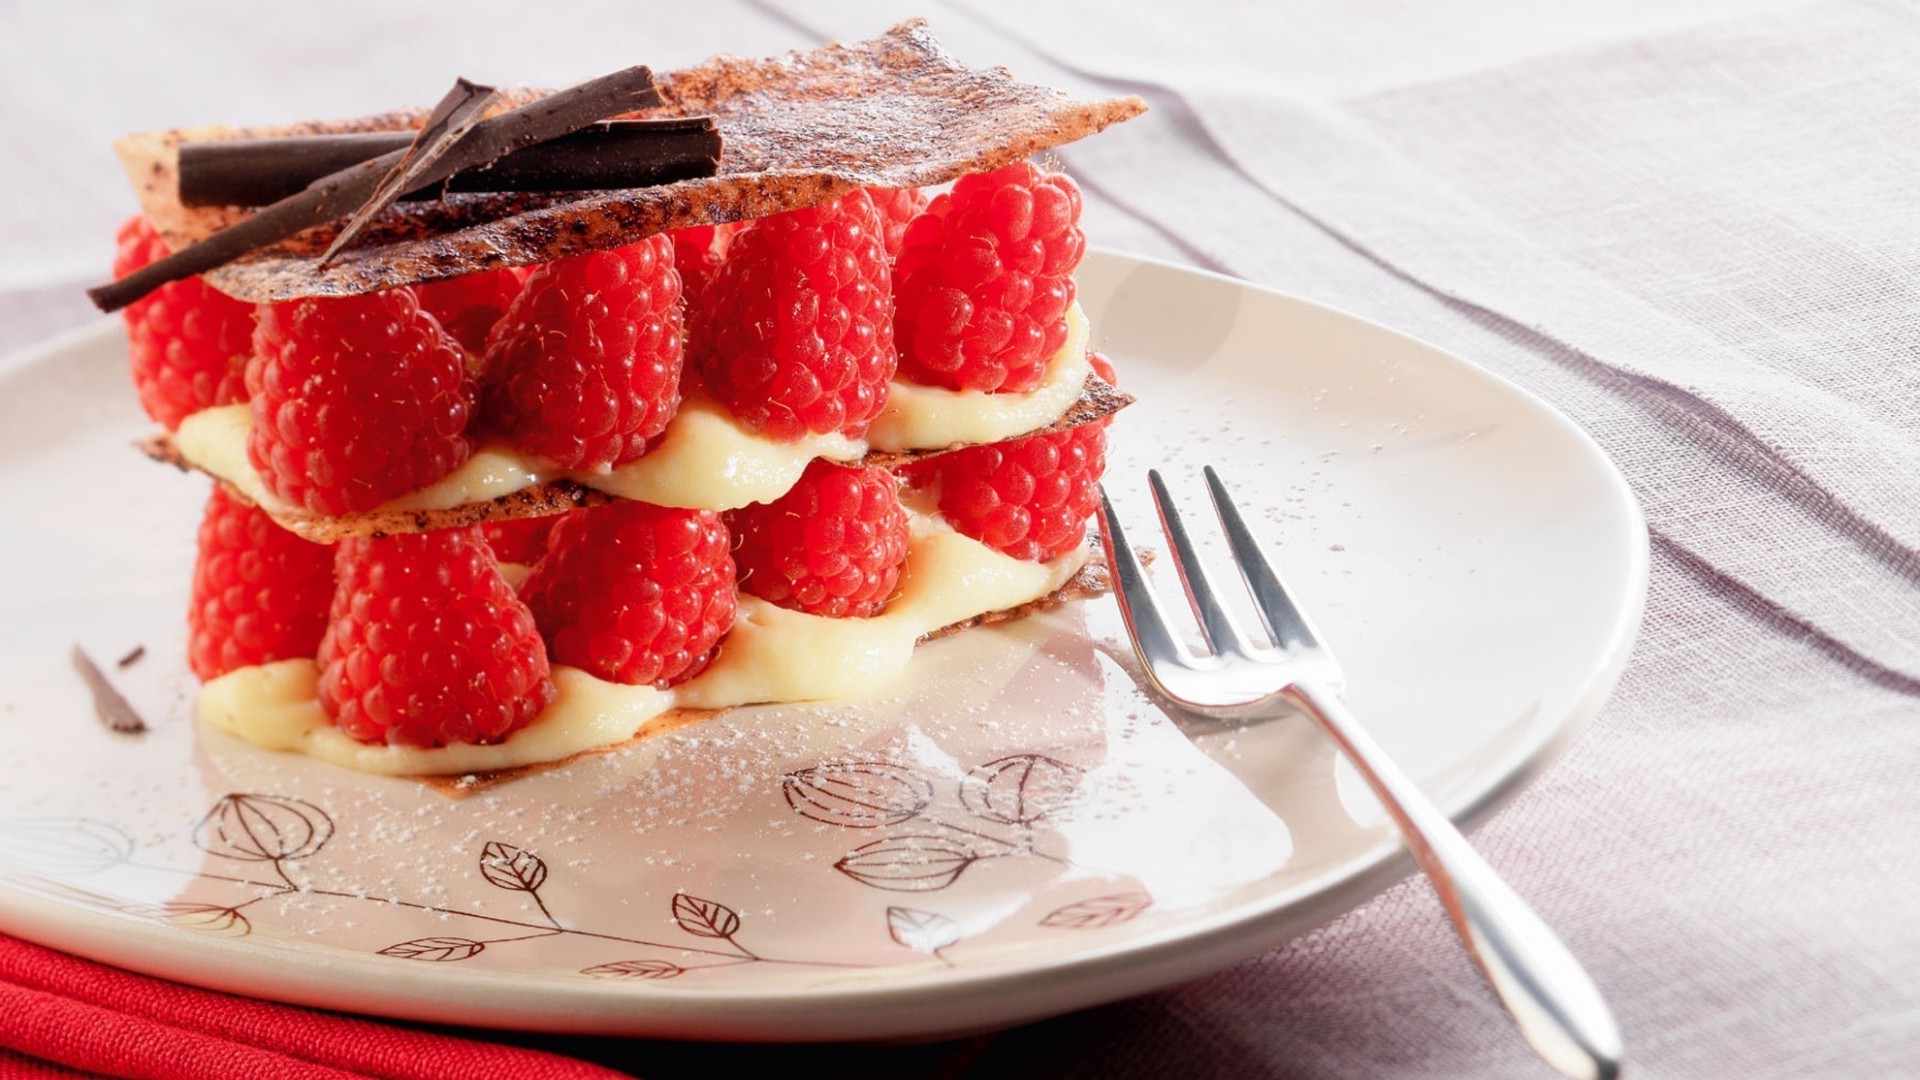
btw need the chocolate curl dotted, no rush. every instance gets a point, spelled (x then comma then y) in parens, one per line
(451, 121)
(331, 197)
(604, 155)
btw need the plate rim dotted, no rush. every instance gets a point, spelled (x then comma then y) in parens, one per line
(1174, 954)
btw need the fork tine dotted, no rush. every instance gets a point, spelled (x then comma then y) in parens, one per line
(1284, 619)
(1146, 621)
(1216, 621)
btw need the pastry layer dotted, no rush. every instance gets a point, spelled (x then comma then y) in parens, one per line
(895, 111)
(705, 460)
(770, 655)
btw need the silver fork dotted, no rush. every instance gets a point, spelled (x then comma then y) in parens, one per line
(1550, 997)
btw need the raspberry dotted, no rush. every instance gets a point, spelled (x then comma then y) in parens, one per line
(1029, 498)
(585, 368)
(355, 400)
(797, 332)
(984, 280)
(898, 207)
(468, 306)
(188, 342)
(698, 251)
(1103, 367)
(833, 545)
(635, 593)
(427, 645)
(260, 593)
(518, 540)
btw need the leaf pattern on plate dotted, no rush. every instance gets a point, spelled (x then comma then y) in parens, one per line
(857, 794)
(278, 829)
(1021, 789)
(922, 931)
(704, 918)
(437, 949)
(512, 868)
(263, 828)
(909, 863)
(635, 969)
(1098, 911)
(59, 846)
(207, 918)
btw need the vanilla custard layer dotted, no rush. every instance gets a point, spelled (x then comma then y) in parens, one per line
(770, 655)
(705, 459)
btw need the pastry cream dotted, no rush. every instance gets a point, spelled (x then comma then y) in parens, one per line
(770, 655)
(931, 418)
(705, 459)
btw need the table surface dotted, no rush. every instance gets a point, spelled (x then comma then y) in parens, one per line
(1687, 225)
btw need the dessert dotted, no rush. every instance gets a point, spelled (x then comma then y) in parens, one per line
(504, 477)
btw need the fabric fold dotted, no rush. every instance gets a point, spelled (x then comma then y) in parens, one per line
(101, 1040)
(65, 1009)
(1801, 489)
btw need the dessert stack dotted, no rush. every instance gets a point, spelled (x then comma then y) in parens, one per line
(790, 378)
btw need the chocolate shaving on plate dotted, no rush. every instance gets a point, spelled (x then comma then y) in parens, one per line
(109, 703)
(895, 111)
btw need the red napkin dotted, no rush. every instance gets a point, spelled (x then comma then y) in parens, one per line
(60, 1014)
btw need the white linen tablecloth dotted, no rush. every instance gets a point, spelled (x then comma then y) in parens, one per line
(1690, 225)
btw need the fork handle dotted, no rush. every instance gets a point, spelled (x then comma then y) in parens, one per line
(1549, 995)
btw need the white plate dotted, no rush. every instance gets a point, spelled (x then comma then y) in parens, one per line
(1015, 833)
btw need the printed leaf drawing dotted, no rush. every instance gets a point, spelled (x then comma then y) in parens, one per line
(704, 918)
(908, 863)
(859, 795)
(62, 846)
(263, 828)
(1098, 911)
(1023, 788)
(207, 918)
(438, 949)
(274, 830)
(922, 931)
(510, 867)
(635, 969)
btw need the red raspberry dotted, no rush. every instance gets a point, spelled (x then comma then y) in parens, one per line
(833, 545)
(585, 368)
(518, 540)
(355, 400)
(898, 207)
(1103, 367)
(187, 340)
(260, 593)
(698, 252)
(635, 593)
(469, 305)
(797, 332)
(1029, 498)
(984, 280)
(427, 645)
